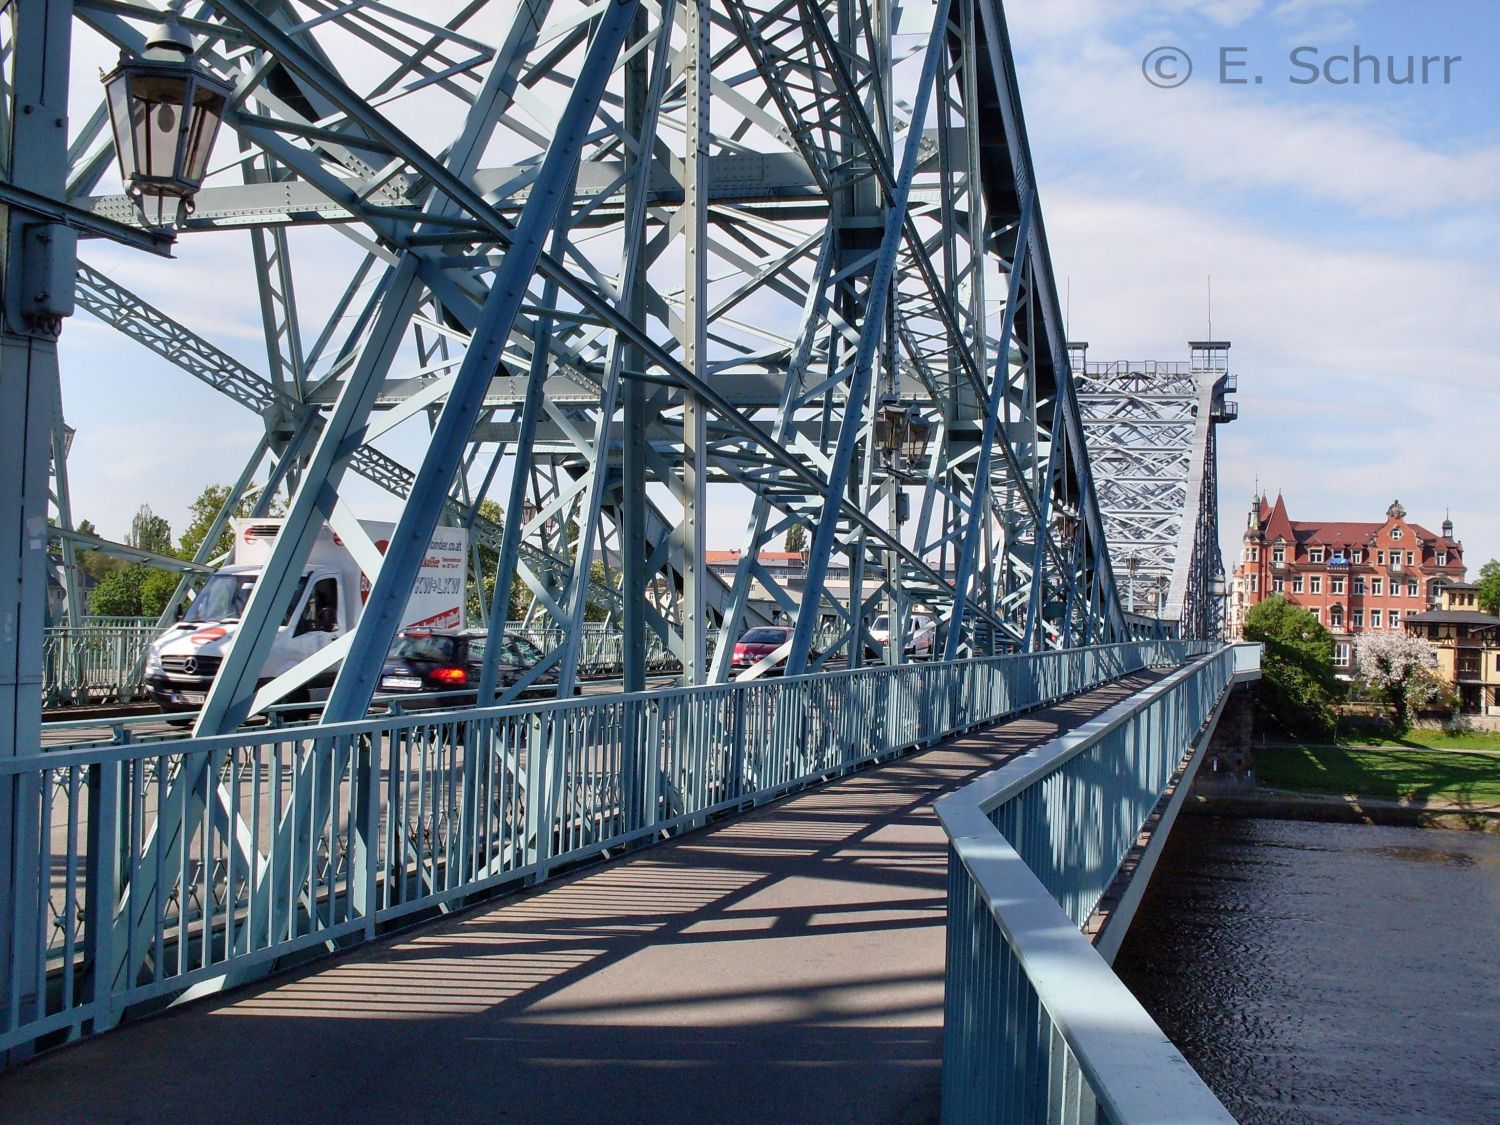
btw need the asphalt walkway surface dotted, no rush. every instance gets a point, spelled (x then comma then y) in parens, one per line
(785, 966)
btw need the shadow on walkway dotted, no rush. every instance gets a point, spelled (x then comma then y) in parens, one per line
(785, 966)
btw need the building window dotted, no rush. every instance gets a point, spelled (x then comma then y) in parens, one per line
(1375, 619)
(1358, 556)
(1317, 612)
(1253, 554)
(1411, 588)
(1359, 585)
(1395, 619)
(1410, 558)
(1379, 558)
(1377, 585)
(1336, 617)
(1317, 583)
(1278, 585)
(1338, 586)
(1278, 554)
(1255, 583)
(1395, 533)
(1341, 654)
(1442, 558)
(1315, 554)
(1358, 617)
(1297, 584)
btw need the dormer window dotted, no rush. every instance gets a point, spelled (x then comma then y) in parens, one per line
(1358, 556)
(1315, 554)
(1395, 533)
(1442, 558)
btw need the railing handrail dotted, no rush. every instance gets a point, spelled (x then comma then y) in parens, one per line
(281, 839)
(1133, 1070)
(98, 754)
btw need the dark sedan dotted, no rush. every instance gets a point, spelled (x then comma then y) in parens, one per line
(451, 661)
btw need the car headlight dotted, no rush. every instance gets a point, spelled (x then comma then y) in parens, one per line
(153, 661)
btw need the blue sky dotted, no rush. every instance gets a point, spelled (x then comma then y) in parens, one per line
(1351, 233)
(1350, 230)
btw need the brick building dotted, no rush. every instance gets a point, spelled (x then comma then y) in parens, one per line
(1353, 577)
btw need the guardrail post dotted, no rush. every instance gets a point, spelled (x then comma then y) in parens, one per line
(101, 882)
(364, 850)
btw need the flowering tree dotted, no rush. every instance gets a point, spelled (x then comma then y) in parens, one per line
(1400, 665)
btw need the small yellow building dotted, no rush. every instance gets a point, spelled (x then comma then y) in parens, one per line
(1468, 644)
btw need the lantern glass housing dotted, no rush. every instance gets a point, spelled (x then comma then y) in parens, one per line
(165, 113)
(902, 435)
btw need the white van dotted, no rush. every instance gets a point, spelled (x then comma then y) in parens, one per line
(329, 598)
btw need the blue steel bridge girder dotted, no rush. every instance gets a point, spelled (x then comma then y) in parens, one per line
(634, 268)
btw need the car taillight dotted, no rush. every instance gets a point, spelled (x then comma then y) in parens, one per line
(450, 675)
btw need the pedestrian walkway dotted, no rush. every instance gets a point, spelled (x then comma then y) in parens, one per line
(786, 966)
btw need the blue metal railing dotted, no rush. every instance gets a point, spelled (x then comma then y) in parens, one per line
(100, 661)
(1036, 1026)
(156, 868)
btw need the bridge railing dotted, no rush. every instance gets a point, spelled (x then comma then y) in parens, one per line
(99, 661)
(1036, 1026)
(146, 870)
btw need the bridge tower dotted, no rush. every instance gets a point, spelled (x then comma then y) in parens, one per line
(1153, 441)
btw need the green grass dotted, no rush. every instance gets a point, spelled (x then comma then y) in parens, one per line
(1432, 739)
(1397, 773)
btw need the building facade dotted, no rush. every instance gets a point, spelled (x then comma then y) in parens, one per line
(1468, 645)
(1353, 577)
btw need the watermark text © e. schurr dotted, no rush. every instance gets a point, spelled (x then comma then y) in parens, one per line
(1169, 67)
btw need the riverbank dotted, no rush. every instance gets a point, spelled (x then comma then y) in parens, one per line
(1403, 785)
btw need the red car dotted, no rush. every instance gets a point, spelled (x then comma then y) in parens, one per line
(760, 642)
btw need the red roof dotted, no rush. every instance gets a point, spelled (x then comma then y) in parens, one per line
(1275, 524)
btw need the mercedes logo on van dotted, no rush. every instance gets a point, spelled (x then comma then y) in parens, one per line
(190, 666)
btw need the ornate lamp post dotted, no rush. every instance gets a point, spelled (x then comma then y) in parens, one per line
(165, 113)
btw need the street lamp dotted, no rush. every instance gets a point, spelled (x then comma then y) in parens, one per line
(901, 436)
(165, 113)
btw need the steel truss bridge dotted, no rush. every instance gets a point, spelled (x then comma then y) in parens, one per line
(622, 273)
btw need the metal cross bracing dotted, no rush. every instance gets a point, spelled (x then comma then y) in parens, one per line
(738, 256)
(636, 271)
(1152, 436)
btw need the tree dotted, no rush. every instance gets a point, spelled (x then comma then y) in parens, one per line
(796, 538)
(1401, 666)
(1297, 686)
(136, 590)
(150, 532)
(1489, 586)
(203, 511)
(96, 564)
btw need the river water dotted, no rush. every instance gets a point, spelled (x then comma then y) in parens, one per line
(1327, 972)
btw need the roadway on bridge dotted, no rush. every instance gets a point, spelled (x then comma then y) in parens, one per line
(785, 966)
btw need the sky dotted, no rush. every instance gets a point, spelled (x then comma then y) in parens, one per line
(1349, 231)
(1352, 233)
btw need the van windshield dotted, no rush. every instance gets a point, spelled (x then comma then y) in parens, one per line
(222, 598)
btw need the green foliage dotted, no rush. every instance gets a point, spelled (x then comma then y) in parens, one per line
(796, 538)
(1297, 685)
(203, 511)
(136, 590)
(150, 532)
(1489, 586)
(96, 564)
